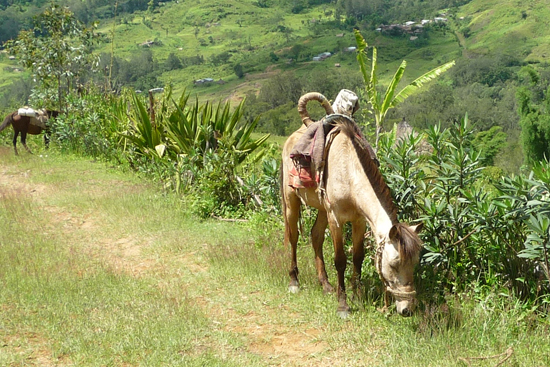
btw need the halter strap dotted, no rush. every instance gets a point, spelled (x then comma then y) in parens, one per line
(400, 295)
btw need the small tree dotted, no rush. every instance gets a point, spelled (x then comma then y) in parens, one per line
(534, 119)
(380, 105)
(57, 50)
(238, 69)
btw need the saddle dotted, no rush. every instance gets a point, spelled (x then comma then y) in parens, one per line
(308, 155)
(36, 117)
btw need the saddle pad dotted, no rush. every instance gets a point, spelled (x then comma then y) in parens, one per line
(300, 176)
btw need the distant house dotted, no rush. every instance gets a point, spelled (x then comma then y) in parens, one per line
(340, 35)
(350, 49)
(147, 44)
(322, 56)
(203, 81)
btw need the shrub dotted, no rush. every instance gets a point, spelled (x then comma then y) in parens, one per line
(477, 230)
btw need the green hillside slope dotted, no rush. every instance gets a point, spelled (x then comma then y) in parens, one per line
(266, 41)
(514, 27)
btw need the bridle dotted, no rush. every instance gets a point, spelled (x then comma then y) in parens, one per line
(398, 295)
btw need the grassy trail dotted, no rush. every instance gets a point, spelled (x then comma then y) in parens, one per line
(99, 268)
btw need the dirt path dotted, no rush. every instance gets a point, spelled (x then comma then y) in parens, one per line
(275, 341)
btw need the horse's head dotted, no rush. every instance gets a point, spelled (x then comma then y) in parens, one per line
(397, 257)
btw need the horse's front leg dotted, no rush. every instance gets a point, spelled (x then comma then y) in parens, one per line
(358, 236)
(340, 261)
(46, 140)
(317, 240)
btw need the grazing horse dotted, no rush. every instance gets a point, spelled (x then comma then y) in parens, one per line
(25, 125)
(350, 189)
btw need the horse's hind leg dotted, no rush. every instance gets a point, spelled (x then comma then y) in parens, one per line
(291, 212)
(317, 240)
(15, 134)
(24, 141)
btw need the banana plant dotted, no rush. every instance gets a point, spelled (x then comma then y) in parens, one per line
(379, 103)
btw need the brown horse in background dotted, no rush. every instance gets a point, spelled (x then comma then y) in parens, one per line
(22, 124)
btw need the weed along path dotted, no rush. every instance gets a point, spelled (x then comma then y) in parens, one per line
(98, 267)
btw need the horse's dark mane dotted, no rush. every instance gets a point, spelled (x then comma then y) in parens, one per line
(408, 240)
(365, 154)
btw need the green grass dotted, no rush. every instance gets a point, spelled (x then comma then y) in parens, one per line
(98, 267)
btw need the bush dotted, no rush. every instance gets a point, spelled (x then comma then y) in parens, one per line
(477, 230)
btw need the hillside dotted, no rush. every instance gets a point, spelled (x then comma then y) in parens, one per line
(226, 33)
(239, 47)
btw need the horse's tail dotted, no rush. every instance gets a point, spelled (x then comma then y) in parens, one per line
(7, 121)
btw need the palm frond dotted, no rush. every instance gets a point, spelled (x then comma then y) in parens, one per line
(388, 97)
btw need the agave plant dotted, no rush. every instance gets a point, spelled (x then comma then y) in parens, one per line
(381, 104)
(207, 128)
(146, 135)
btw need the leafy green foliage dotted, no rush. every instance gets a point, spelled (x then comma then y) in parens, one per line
(535, 122)
(86, 127)
(381, 104)
(476, 231)
(58, 49)
(200, 147)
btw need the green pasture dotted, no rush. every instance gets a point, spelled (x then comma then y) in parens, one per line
(99, 267)
(513, 27)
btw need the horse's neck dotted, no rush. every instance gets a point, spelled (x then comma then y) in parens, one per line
(369, 203)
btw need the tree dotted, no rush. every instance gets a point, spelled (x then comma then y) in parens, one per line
(238, 69)
(380, 105)
(173, 62)
(57, 50)
(535, 127)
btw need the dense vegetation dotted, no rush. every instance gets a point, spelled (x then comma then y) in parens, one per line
(486, 231)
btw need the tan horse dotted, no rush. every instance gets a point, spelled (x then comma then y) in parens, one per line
(352, 190)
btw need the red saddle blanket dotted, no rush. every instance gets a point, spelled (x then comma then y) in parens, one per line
(300, 176)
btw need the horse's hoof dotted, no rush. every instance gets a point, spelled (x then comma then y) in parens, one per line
(343, 314)
(328, 289)
(293, 289)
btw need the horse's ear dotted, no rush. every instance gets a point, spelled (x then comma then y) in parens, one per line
(394, 233)
(417, 228)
